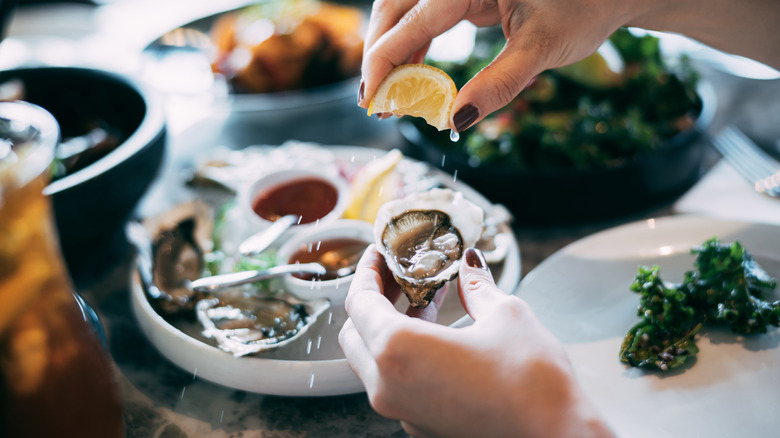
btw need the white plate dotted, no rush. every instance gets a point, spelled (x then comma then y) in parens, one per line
(581, 294)
(313, 365)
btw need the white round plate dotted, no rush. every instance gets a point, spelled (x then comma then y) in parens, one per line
(581, 294)
(313, 365)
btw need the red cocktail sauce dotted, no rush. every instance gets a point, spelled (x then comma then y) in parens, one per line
(309, 198)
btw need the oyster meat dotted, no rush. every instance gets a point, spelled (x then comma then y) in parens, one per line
(423, 236)
(179, 239)
(245, 323)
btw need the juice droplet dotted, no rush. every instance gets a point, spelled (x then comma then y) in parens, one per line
(454, 136)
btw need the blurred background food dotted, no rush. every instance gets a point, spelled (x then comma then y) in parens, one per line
(580, 141)
(267, 66)
(288, 45)
(614, 106)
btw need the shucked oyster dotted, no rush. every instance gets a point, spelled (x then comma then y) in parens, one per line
(422, 237)
(179, 239)
(244, 323)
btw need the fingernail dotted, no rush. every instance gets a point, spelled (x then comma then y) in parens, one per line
(475, 259)
(465, 117)
(361, 91)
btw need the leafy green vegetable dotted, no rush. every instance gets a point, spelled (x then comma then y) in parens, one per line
(664, 337)
(646, 346)
(259, 262)
(724, 289)
(218, 262)
(581, 116)
(727, 287)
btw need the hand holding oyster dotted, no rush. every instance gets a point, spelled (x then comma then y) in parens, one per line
(423, 236)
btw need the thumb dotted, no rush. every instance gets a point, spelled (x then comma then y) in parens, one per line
(477, 289)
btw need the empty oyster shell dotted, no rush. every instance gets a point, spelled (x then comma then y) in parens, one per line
(244, 323)
(422, 237)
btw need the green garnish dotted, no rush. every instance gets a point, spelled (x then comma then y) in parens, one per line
(724, 289)
(582, 116)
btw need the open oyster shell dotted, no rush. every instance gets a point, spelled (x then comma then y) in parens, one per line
(423, 236)
(179, 239)
(245, 323)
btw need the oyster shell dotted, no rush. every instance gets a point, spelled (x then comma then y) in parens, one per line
(179, 239)
(423, 236)
(244, 322)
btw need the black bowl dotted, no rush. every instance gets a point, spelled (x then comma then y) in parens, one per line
(576, 196)
(92, 204)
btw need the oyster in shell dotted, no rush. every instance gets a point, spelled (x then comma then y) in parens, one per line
(179, 239)
(423, 236)
(245, 323)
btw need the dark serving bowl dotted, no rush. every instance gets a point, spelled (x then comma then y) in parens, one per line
(572, 196)
(92, 204)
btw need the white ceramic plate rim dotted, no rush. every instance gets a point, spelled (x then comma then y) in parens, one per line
(274, 376)
(730, 390)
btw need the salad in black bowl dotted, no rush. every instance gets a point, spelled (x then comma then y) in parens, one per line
(613, 134)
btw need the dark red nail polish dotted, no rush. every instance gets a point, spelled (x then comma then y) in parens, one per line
(465, 116)
(361, 91)
(475, 259)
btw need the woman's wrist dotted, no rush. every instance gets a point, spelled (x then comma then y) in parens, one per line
(579, 418)
(745, 27)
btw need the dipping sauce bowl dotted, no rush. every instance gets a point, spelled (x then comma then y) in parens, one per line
(316, 198)
(337, 246)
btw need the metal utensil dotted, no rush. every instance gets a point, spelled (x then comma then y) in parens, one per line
(341, 262)
(222, 281)
(259, 242)
(139, 238)
(749, 160)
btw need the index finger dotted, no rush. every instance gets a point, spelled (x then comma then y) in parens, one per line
(385, 15)
(414, 30)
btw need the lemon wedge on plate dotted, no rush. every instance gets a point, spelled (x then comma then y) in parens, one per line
(374, 184)
(417, 90)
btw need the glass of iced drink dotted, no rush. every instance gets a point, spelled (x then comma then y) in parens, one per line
(55, 377)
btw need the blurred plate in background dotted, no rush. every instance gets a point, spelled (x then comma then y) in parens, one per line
(193, 60)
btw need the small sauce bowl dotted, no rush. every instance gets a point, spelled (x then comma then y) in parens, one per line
(317, 198)
(338, 246)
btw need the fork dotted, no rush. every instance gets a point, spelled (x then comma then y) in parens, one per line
(749, 160)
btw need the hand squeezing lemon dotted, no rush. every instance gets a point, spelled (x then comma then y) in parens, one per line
(417, 90)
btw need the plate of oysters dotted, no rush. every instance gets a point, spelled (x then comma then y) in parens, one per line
(244, 282)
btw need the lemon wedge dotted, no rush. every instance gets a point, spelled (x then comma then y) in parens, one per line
(374, 184)
(416, 90)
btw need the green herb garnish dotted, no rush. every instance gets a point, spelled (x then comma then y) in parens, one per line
(724, 290)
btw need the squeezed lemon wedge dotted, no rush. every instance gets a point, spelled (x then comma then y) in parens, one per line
(416, 90)
(374, 184)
